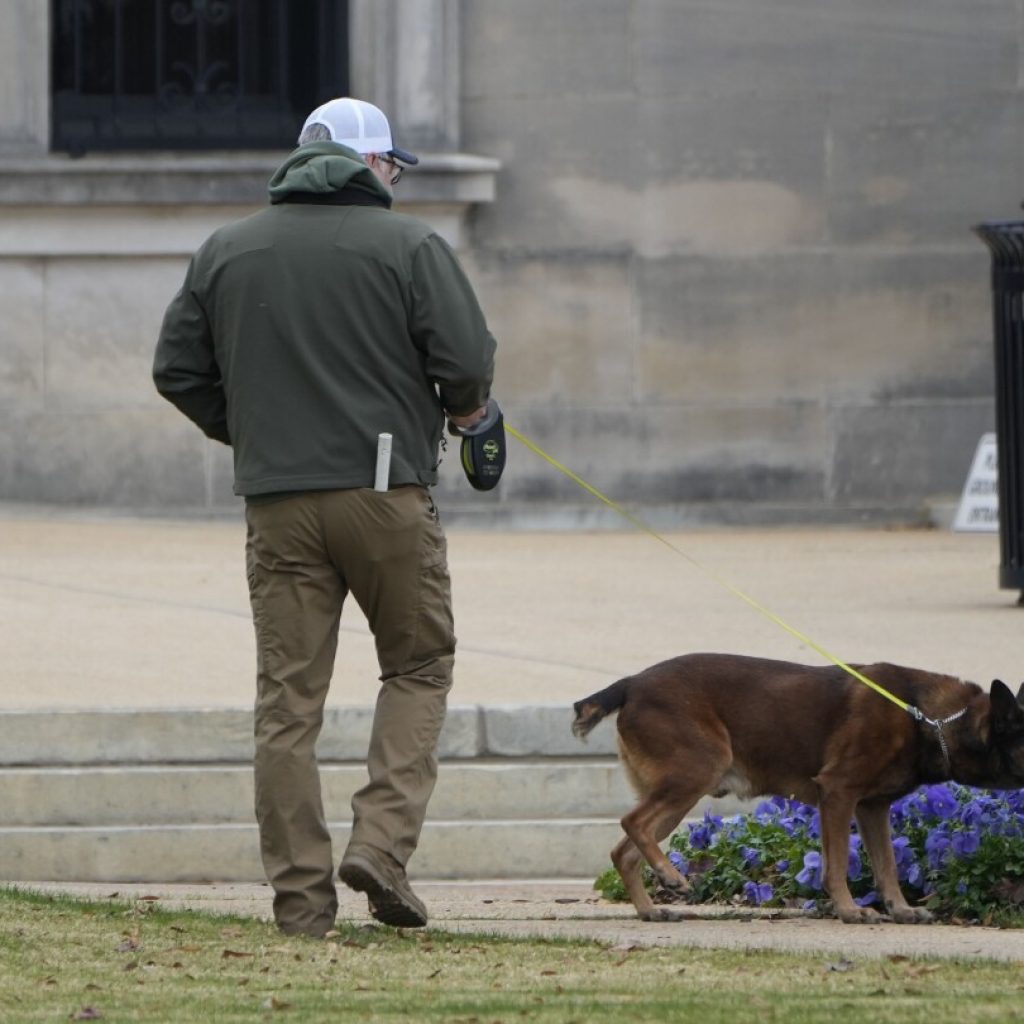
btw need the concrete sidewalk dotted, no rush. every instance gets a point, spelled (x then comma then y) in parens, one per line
(127, 613)
(568, 908)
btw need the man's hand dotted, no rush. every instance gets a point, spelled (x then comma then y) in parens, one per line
(462, 422)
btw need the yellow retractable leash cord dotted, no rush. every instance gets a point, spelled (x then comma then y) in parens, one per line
(721, 581)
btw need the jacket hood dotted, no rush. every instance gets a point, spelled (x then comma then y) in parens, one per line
(323, 167)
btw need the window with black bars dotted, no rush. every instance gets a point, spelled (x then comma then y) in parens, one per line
(192, 74)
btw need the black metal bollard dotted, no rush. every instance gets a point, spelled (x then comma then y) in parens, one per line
(1005, 240)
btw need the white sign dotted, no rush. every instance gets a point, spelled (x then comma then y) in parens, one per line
(979, 504)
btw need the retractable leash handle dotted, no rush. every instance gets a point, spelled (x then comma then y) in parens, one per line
(483, 448)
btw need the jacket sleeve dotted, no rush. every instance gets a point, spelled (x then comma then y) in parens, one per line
(448, 327)
(185, 369)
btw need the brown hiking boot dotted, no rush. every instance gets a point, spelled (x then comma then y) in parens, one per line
(391, 899)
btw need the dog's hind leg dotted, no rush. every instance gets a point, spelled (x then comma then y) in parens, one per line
(873, 822)
(629, 864)
(669, 779)
(651, 821)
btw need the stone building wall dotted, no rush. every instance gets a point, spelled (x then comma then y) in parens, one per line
(725, 248)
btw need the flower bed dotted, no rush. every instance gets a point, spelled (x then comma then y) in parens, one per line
(959, 851)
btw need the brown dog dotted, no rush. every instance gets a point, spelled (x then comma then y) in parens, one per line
(718, 723)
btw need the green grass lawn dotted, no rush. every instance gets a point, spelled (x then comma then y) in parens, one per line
(63, 959)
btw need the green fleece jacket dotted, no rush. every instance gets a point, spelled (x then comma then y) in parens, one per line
(303, 331)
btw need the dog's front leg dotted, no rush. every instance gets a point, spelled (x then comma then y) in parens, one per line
(836, 809)
(873, 822)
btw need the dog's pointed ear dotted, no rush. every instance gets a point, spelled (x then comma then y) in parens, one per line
(1006, 712)
(1020, 695)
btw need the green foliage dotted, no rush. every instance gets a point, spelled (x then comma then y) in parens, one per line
(958, 850)
(609, 885)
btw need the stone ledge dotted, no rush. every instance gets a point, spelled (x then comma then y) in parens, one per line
(218, 179)
(166, 205)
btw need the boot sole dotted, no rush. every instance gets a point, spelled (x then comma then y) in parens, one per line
(387, 905)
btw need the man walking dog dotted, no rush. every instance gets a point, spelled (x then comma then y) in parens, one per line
(300, 334)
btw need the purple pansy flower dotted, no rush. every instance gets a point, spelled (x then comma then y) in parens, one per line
(757, 893)
(811, 873)
(965, 843)
(940, 801)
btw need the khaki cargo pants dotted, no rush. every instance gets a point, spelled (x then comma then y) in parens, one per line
(304, 555)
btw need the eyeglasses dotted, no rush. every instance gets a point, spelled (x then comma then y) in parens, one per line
(396, 167)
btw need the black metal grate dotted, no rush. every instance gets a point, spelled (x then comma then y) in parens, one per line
(1006, 244)
(192, 74)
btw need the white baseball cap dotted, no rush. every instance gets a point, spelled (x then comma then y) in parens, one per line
(360, 126)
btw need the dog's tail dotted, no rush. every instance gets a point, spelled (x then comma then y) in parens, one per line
(592, 709)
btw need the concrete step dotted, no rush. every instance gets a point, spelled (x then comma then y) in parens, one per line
(571, 848)
(167, 796)
(125, 795)
(224, 735)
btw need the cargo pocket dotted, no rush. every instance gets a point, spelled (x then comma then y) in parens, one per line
(435, 628)
(257, 590)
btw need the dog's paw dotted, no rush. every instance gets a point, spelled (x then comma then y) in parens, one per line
(911, 915)
(674, 884)
(860, 915)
